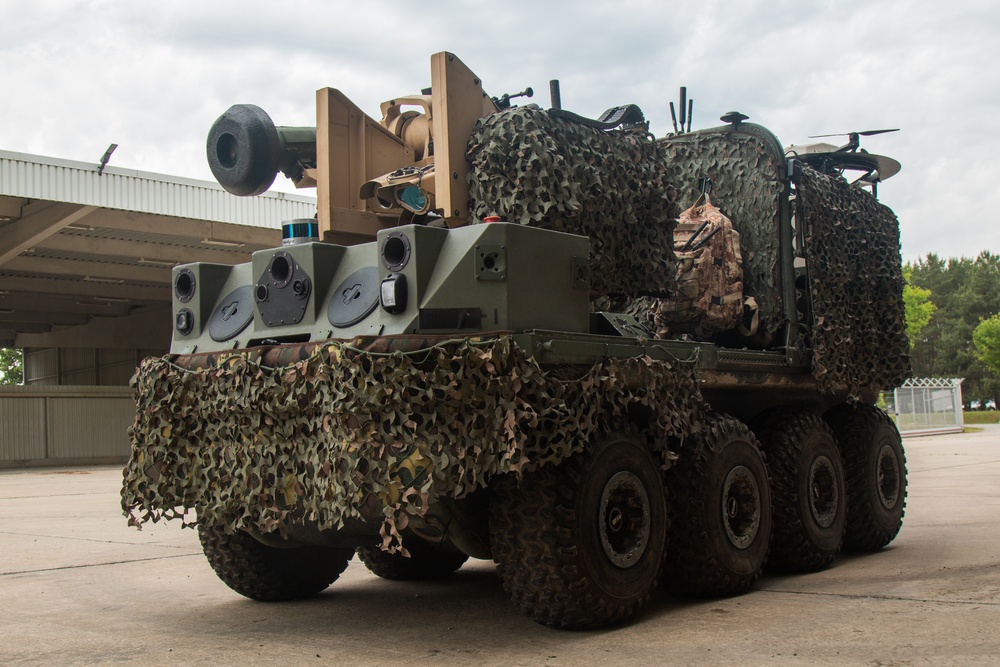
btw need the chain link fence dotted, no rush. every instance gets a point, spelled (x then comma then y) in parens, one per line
(928, 405)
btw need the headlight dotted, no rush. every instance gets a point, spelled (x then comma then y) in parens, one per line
(393, 293)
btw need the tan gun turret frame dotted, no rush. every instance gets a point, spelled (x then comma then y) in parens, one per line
(353, 149)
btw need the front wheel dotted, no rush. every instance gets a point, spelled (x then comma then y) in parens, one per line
(580, 545)
(267, 573)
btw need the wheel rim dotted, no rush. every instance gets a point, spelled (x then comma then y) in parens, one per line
(624, 519)
(887, 477)
(741, 507)
(824, 496)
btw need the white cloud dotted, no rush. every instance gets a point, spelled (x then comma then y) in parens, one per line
(153, 76)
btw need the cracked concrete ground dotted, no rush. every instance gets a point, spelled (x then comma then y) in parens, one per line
(77, 586)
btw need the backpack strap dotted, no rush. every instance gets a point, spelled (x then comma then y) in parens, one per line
(751, 304)
(729, 298)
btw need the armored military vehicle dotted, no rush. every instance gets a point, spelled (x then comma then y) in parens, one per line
(610, 362)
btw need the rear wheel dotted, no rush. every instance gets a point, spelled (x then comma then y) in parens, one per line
(875, 467)
(807, 481)
(424, 562)
(267, 573)
(720, 518)
(580, 545)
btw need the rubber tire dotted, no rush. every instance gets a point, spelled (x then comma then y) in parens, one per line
(271, 574)
(702, 560)
(793, 440)
(546, 536)
(425, 562)
(863, 432)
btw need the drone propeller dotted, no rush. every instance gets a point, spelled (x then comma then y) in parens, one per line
(853, 138)
(866, 133)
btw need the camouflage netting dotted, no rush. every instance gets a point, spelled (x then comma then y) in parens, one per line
(746, 175)
(856, 280)
(252, 447)
(535, 168)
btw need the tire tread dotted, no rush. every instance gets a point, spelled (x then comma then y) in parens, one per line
(270, 574)
(692, 566)
(783, 433)
(540, 563)
(856, 429)
(425, 562)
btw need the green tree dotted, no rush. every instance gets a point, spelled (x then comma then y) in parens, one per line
(11, 371)
(965, 291)
(986, 336)
(919, 308)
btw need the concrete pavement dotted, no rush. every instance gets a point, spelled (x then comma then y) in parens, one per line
(79, 587)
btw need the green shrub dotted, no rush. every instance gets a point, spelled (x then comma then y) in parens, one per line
(982, 417)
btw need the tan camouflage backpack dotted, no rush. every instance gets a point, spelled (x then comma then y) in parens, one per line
(708, 296)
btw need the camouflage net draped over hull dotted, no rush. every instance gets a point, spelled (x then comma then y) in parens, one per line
(746, 185)
(534, 168)
(856, 279)
(345, 433)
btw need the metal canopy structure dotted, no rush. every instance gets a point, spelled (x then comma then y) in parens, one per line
(86, 254)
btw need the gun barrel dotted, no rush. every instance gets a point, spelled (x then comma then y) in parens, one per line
(246, 150)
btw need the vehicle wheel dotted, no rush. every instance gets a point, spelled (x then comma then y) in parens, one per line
(875, 471)
(809, 498)
(720, 514)
(580, 545)
(425, 561)
(270, 574)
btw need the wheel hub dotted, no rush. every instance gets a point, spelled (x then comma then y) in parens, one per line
(824, 496)
(624, 520)
(741, 507)
(887, 477)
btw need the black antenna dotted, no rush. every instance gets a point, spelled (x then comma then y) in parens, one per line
(554, 94)
(683, 108)
(686, 111)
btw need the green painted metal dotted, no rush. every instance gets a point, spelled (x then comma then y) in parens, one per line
(490, 277)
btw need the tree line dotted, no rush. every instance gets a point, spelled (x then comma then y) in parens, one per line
(957, 302)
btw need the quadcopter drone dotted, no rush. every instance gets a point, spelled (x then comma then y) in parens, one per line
(829, 159)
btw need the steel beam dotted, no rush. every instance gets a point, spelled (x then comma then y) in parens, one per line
(157, 252)
(147, 329)
(63, 303)
(89, 270)
(53, 285)
(36, 227)
(224, 232)
(55, 318)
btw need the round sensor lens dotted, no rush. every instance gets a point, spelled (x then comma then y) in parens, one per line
(412, 198)
(395, 251)
(184, 285)
(281, 268)
(225, 150)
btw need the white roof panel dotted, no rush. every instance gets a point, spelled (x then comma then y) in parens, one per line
(56, 179)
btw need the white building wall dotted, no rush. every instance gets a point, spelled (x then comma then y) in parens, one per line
(55, 179)
(64, 425)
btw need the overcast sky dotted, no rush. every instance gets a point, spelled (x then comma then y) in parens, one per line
(153, 76)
